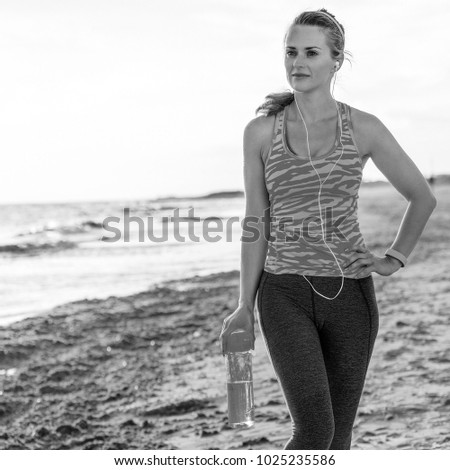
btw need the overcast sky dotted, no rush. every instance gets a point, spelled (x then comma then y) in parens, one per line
(123, 99)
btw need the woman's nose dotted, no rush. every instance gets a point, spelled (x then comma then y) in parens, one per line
(298, 61)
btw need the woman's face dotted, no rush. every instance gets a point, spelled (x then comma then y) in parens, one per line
(306, 52)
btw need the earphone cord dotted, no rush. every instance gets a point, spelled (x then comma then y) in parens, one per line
(320, 189)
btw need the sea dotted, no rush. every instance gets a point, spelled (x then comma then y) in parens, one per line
(52, 254)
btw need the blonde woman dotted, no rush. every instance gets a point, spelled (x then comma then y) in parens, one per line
(310, 268)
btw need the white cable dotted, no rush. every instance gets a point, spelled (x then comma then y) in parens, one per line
(320, 189)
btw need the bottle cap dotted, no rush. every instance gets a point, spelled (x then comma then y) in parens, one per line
(239, 341)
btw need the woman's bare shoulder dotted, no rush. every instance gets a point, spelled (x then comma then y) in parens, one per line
(260, 129)
(363, 128)
(361, 117)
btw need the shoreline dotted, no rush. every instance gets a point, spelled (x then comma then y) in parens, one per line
(144, 371)
(10, 319)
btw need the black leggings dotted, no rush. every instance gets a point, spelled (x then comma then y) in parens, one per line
(320, 351)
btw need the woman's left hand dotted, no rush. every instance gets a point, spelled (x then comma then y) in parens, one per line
(362, 262)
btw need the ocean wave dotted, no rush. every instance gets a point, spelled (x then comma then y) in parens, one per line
(71, 229)
(36, 248)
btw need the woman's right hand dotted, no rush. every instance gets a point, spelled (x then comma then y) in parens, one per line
(241, 318)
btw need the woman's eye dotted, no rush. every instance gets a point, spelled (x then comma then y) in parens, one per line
(308, 52)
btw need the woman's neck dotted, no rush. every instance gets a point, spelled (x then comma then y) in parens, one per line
(314, 108)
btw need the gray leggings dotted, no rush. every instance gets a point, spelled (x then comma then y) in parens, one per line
(320, 351)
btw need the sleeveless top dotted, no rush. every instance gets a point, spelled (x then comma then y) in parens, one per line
(296, 243)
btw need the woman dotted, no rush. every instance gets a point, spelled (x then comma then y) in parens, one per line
(316, 304)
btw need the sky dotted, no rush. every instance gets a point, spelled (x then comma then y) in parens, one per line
(133, 99)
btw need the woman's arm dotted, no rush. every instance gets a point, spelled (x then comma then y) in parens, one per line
(255, 233)
(406, 178)
(254, 239)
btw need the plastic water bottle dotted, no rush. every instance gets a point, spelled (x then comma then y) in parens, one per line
(238, 362)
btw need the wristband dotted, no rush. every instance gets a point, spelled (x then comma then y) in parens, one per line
(397, 255)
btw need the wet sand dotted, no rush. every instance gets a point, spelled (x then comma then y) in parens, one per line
(145, 371)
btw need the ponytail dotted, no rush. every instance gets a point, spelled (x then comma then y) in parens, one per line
(275, 102)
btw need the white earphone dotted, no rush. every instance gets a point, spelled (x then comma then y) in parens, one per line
(320, 189)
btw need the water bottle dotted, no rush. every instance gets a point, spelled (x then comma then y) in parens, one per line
(238, 362)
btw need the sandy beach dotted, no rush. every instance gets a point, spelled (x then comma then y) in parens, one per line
(145, 371)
